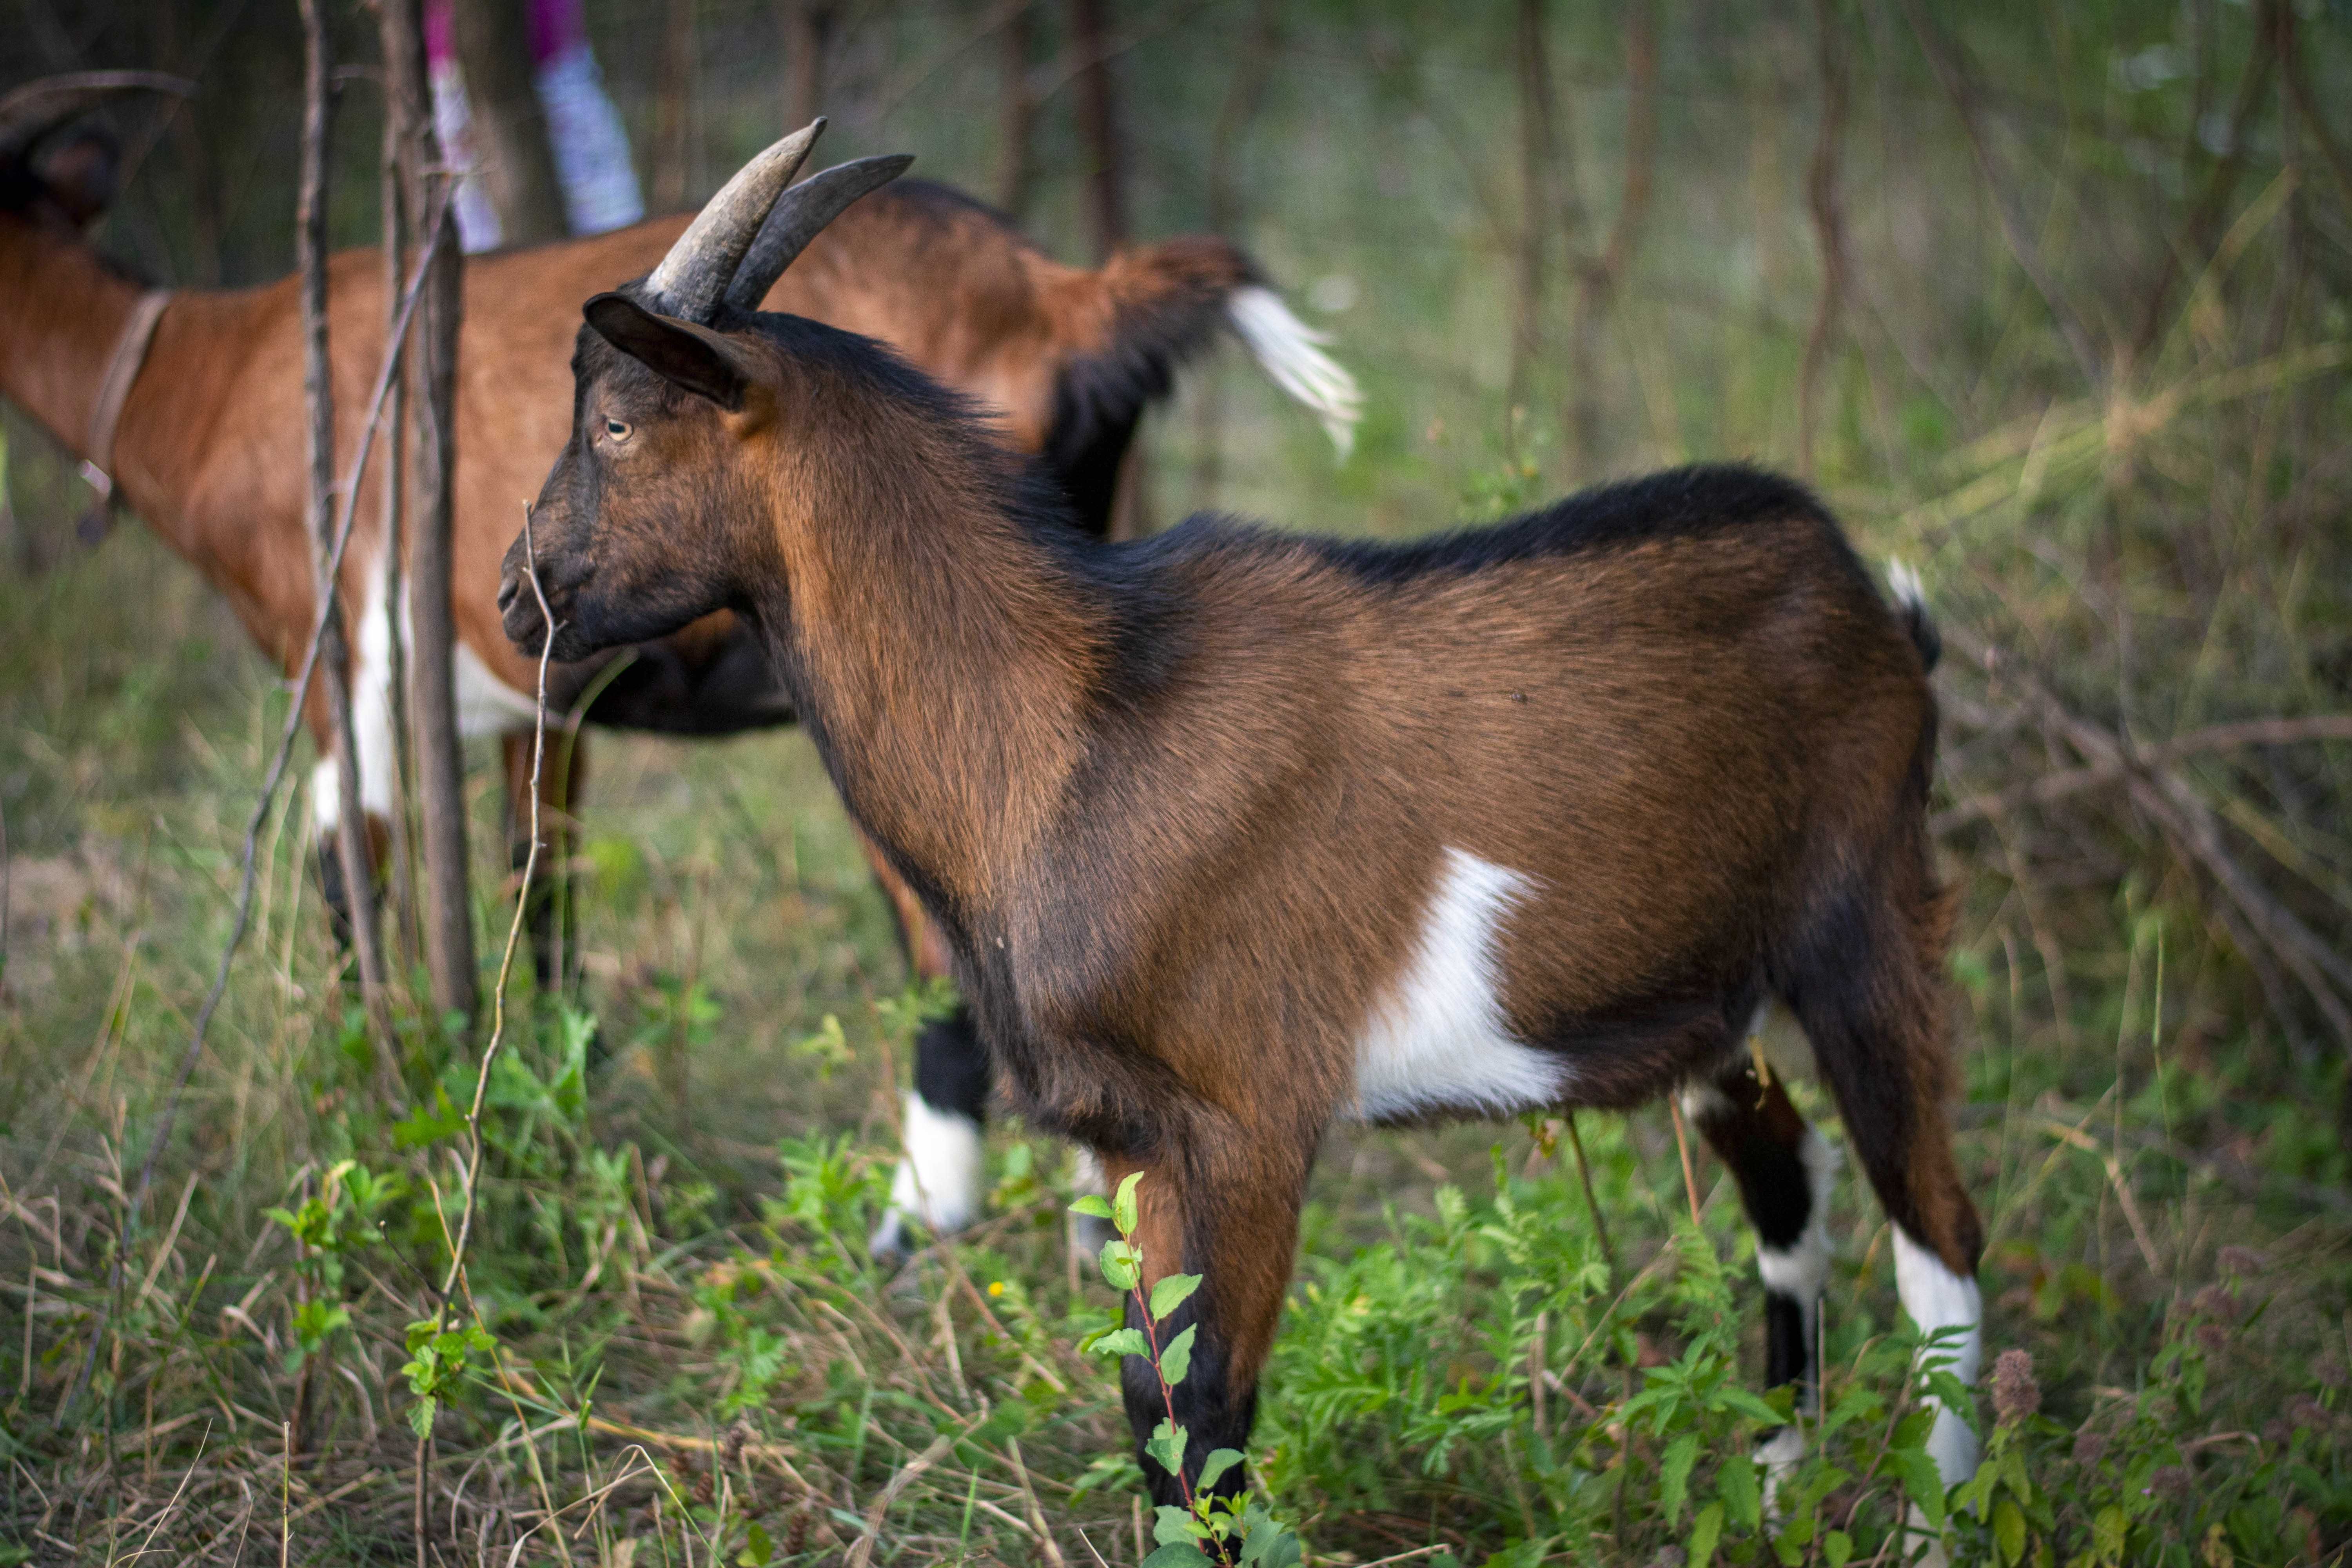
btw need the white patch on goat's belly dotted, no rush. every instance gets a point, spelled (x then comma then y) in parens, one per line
(326, 798)
(487, 705)
(1438, 1040)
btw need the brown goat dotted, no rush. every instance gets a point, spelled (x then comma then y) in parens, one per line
(207, 447)
(1233, 833)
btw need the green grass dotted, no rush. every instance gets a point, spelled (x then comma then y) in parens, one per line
(689, 1356)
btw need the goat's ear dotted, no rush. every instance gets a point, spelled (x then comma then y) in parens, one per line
(688, 356)
(78, 173)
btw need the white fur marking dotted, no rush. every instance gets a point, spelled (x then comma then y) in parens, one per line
(372, 697)
(1904, 579)
(1439, 1041)
(326, 798)
(1090, 1177)
(1702, 1101)
(1800, 1271)
(487, 705)
(1778, 1454)
(939, 1176)
(1291, 353)
(1938, 1298)
(371, 663)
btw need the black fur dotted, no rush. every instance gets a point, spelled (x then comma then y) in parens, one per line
(952, 1072)
(1787, 1358)
(333, 890)
(1099, 399)
(1206, 1408)
(1700, 500)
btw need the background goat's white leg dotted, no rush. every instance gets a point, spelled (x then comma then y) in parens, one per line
(939, 1177)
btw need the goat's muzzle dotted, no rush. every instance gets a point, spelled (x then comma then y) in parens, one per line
(519, 608)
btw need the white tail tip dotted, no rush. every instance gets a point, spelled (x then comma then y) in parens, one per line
(1292, 352)
(1904, 579)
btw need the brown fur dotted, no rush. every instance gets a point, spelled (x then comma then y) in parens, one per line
(209, 449)
(1179, 806)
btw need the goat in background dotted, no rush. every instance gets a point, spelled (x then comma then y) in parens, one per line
(189, 403)
(1233, 834)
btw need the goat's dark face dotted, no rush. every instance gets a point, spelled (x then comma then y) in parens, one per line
(654, 516)
(647, 518)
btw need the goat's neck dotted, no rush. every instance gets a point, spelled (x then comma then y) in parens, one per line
(942, 649)
(62, 313)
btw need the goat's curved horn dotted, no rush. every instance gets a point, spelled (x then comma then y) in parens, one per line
(806, 208)
(38, 108)
(692, 278)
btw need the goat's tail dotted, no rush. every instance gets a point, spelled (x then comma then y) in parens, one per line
(1168, 296)
(1291, 353)
(1159, 305)
(1911, 607)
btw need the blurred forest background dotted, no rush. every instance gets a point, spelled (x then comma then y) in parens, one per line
(2052, 302)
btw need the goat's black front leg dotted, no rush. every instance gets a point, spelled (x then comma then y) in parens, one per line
(1230, 1215)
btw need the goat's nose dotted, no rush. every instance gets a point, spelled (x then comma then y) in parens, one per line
(508, 590)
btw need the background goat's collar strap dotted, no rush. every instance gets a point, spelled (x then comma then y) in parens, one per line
(121, 373)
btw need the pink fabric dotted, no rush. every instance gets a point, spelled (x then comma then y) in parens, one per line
(557, 28)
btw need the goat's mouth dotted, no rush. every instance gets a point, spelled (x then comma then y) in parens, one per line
(519, 613)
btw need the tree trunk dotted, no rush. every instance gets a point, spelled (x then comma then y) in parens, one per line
(1829, 226)
(1016, 114)
(1242, 97)
(493, 38)
(1597, 288)
(431, 392)
(1535, 158)
(1099, 126)
(673, 104)
(808, 37)
(404, 106)
(352, 838)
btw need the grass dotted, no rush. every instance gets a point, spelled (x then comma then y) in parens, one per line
(690, 1342)
(684, 1353)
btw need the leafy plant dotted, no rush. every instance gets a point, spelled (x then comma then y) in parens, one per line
(1234, 1527)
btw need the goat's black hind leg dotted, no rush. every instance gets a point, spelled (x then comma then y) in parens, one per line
(1866, 982)
(1785, 1171)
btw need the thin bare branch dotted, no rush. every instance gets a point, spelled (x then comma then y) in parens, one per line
(351, 847)
(1948, 63)
(2203, 229)
(2054, 787)
(1829, 225)
(275, 776)
(2196, 833)
(514, 936)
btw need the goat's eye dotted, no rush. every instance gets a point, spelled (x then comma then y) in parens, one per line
(619, 430)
